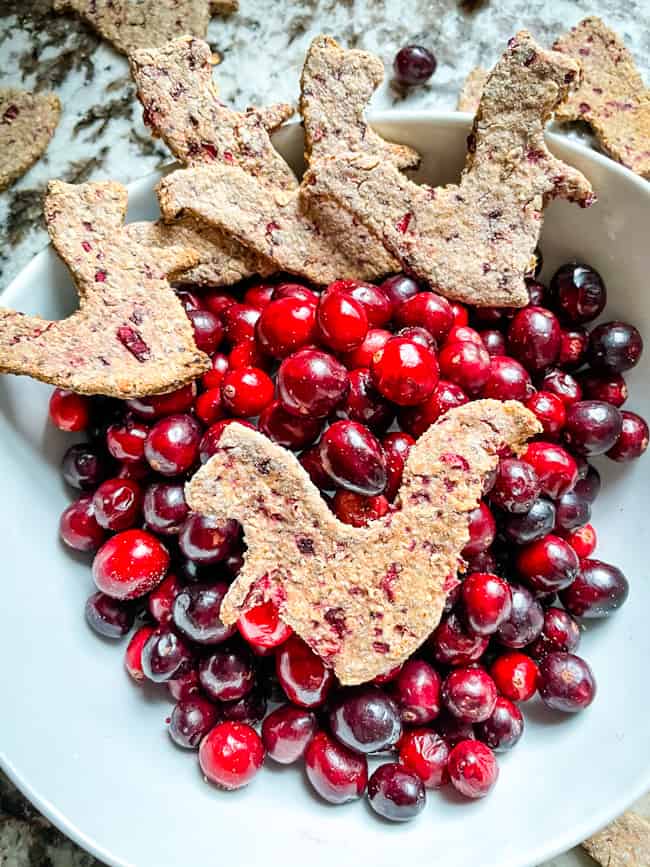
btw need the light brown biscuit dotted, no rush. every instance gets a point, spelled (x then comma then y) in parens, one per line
(473, 242)
(612, 97)
(470, 95)
(365, 598)
(130, 336)
(624, 843)
(131, 25)
(27, 123)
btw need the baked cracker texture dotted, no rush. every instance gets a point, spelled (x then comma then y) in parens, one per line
(27, 123)
(624, 843)
(473, 242)
(130, 25)
(612, 97)
(130, 336)
(364, 599)
(470, 95)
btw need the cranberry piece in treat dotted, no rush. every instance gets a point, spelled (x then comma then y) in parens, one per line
(342, 321)
(469, 694)
(598, 590)
(453, 644)
(84, 466)
(396, 793)
(396, 448)
(516, 486)
(364, 403)
(534, 338)
(78, 526)
(117, 503)
(526, 619)
(207, 541)
(231, 754)
(159, 405)
(482, 530)
(240, 321)
(133, 653)
(428, 310)
(165, 656)
(366, 720)
(560, 633)
(358, 510)
(196, 614)
(213, 377)
(165, 509)
(416, 689)
(566, 682)
(556, 469)
(69, 411)
(286, 324)
(109, 617)
(503, 730)
(399, 288)
(261, 626)
(413, 65)
(579, 292)
(547, 565)
(425, 753)
(592, 427)
(337, 773)
(312, 383)
(487, 602)
(172, 445)
(353, 458)
(614, 347)
(445, 396)
(303, 677)
(494, 341)
(286, 732)
(125, 441)
(227, 675)
(376, 303)
(191, 720)
(583, 540)
(573, 348)
(130, 564)
(404, 372)
(373, 342)
(549, 410)
(507, 380)
(515, 675)
(473, 769)
(632, 440)
(466, 364)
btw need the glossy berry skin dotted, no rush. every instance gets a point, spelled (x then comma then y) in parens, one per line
(208, 406)
(261, 626)
(364, 403)
(573, 348)
(583, 540)
(295, 290)
(566, 682)
(473, 769)
(396, 448)
(494, 341)
(196, 613)
(460, 313)
(416, 689)
(184, 686)
(413, 65)
(133, 653)
(487, 602)
(231, 754)
(217, 301)
(249, 709)
(165, 656)
(205, 540)
(208, 330)
(353, 458)
(507, 380)
(373, 342)
(213, 377)
(108, 616)
(172, 445)
(598, 590)
(632, 440)
(404, 372)
(286, 732)
(445, 396)
(125, 441)
(285, 325)
(396, 793)
(357, 509)
(240, 321)
(526, 619)
(469, 694)
(227, 675)
(337, 773)
(164, 507)
(516, 486)
(259, 296)
(311, 382)
(427, 310)
(302, 675)
(78, 526)
(579, 292)
(555, 468)
(313, 466)
(608, 387)
(614, 347)
(515, 676)
(425, 753)
(130, 564)
(560, 633)
(342, 321)
(532, 525)
(69, 411)
(366, 720)
(246, 391)
(84, 466)
(399, 288)
(161, 600)
(534, 338)
(159, 405)
(589, 487)
(466, 364)
(549, 411)
(562, 385)
(191, 720)
(482, 530)
(503, 730)
(117, 504)
(418, 334)
(464, 334)
(547, 565)
(592, 427)
(376, 303)
(571, 511)
(290, 431)
(247, 353)
(453, 644)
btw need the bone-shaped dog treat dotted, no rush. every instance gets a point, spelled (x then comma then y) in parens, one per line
(612, 97)
(130, 336)
(623, 843)
(364, 599)
(27, 123)
(473, 242)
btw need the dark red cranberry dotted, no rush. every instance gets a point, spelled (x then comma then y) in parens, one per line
(196, 614)
(342, 321)
(209, 444)
(78, 526)
(473, 769)
(261, 626)
(208, 406)
(191, 720)
(482, 530)
(312, 464)
(452, 644)
(404, 372)
(562, 385)
(399, 288)
(614, 347)
(213, 377)
(302, 674)
(516, 486)
(387, 677)
(460, 313)
(589, 487)
(133, 653)
(592, 427)
(494, 341)
(549, 410)
(598, 590)
(312, 383)
(418, 334)
(208, 330)
(357, 509)
(571, 511)
(130, 564)
(227, 675)
(464, 334)
(286, 324)
(161, 600)
(416, 689)
(84, 466)
(364, 403)
(373, 342)
(560, 633)
(249, 709)
(337, 773)
(555, 468)
(515, 675)
(240, 321)
(366, 720)
(425, 753)
(286, 732)
(353, 458)
(466, 364)
(608, 387)
(579, 292)
(69, 411)
(159, 405)
(165, 656)
(534, 338)
(231, 754)
(378, 307)
(396, 448)
(217, 301)
(206, 540)
(452, 729)
(109, 617)
(396, 793)
(486, 602)
(246, 391)
(573, 348)
(164, 507)
(483, 562)
(547, 565)
(583, 540)
(503, 730)
(632, 440)
(537, 293)
(172, 445)
(413, 65)
(295, 290)
(566, 682)
(117, 504)
(184, 686)
(259, 296)
(469, 694)
(428, 310)
(445, 396)
(526, 619)
(189, 300)
(125, 441)
(507, 380)
(537, 522)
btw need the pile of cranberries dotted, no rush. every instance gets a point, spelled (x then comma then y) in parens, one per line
(349, 378)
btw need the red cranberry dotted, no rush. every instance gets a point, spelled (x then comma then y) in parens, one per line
(78, 526)
(246, 391)
(632, 440)
(217, 301)
(549, 410)
(404, 372)
(378, 307)
(286, 732)
(526, 619)
(172, 445)
(516, 486)
(465, 364)
(184, 686)
(614, 347)
(261, 626)
(206, 540)
(246, 353)
(469, 694)
(573, 347)
(373, 342)
(494, 341)
(249, 709)
(396, 793)
(599, 589)
(413, 65)
(231, 754)
(337, 773)
(313, 466)
(209, 406)
(459, 312)
(399, 288)
(260, 295)
(159, 405)
(161, 599)
(117, 504)
(84, 466)
(507, 380)
(240, 321)
(295, 290)
(208, 330)
(209, 444)
(416, 690)
(503, 730)
(165, 509)
(562, 385)
(109, 617)
(592, 427)
(396, 448)
(165, 656)
(560, 633)
(212, 378)
(483, 562)
(515, 675)
(473, 769)
(420, 335)
(69, 411)
(566, 682)
(607, 387)
(486, 602)
(358, 510)
(452, 644)
(133, 653)
(130, 564)
(428, 310)
(388, 676)
(482, 530)
(464, 334)
(571, 511)
(285, 325)
(534, 338)
(445, 396)
(135, 471)
(312, 383)
(302, 674)
(583, 540)
(342, 321)
(366, 720)
(425, 753)
(191, 720)
(364, 403)
(579, 292)
(196, 614)
(125, 441)
(556, 469)
(537, 522)
(353, 458)
(588, 487)
(227, 675)
(547, 565)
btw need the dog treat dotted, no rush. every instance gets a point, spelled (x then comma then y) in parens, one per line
(363, 598)
(612, 97)
(130, 336)
(128, 25)
(473, 242)
(624, 843)
(27, 123)
(470, 95)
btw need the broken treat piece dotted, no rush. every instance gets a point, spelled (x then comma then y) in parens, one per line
(623, 843)
(363, 598)
(130, 336)
(612, 97)
(147, 23)
(470, 95)
(27, 123)
(473, 242)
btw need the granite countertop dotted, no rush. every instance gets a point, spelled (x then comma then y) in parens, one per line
(101, 135)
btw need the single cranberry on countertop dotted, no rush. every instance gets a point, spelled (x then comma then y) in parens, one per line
(507, 380)
(425, 753)
(503, 730)
(416, 689)
(579, 292)
(632, 440)
(353, 458)
(404, 372)
(342, 321)
(413, 65)
(357, 509)
(566, 682)
(337, 773)
(165, 656)
(534, 338)
(560, 633)
(191, 720)
(445, 396)
(286, 732)
(516, 486)
(364, 403)
(261, 626)
(556, 469)
(469, 694)
(396, 448)
(231, 754)
(69, 411)
(548, 564)
(482, 530)
(399, 288)
(549, 411)
(130, 564)
(78, 526)
(312, 383)
(303, 677)
(109, 617)
(366, 720)
(84, 466)
(614, 347)
(396, 793)
(227, 675)
(526, 619)
(592, 427)
(515, 675)
(286, 324)
(376, 303)
(473, 769)
(133, 653)
(196, 613)
(452, 644)
(428, 310)
(598, 590)
(487, 602)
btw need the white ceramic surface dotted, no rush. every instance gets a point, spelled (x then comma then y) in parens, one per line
(91, 750)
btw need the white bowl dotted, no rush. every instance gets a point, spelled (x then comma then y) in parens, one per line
(90, 749)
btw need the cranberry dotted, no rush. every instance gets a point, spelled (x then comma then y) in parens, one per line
(312, 383)
(466, 364)
(589, 487)
(573, 347)
(571, 511)
(555, 468)
(503, 730)
(515, 675)
(404, 372)
(416, 690)
(133, 654)
(213, 377)
(452, 729)
(464, 334)
(427, 310)
(217, 301)
(208, 330)
(69, 411)
(396, 793)
(286, 732)
(337, 773)
(342, 321)
(387, 676)
(469, 694)
(396, 448)
(425, 753)
(399, 288)
(486, 602)
(172, 444)
(632, 440)
(526, 619)
(109, 617)
(548, 564)
(227, 675)
(507, 380)
(516, 486)
(209, 406)
(537, 293)
(357, 509)
(78, 526)
(259, 296)
(364, 403)
(418, 334)
(592, 427)
(302, 674)
(549, 410)
(583, 540)
(482, 530)
(313, 466)
(445, 396)
(189, 300)
(607, 387)
(240, 321)
(185, 686)
(249, 709)
(452, 644)
(285, 325)
(459, 312)
(165, 656)
(130, 564)
(614, 347)
(191, 720)
(261, 626)
(373, 342)
(295, 290)
(247, 353)
(165, 509)
(231, 754)
(560, 633)
(473, 769)
(376, 303)
(161, 599)
(534, 338)
(353, 458)
(84, 466)
(579, 292)
(117, 504)
(206, 540)
(598, 590)
(196, 614)
(537, 522)
(483, 562)
(125, 441)
(159, 405)
(366, 720)
(494, 341)
(566, 682)
(246, 391)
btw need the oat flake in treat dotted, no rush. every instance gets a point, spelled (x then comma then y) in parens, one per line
(130, 336)
(624, 843)
(27, 123)
(470, 95)
(473, 242)
(363, 598)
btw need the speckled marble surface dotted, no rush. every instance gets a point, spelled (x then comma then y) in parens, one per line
(101, 135)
